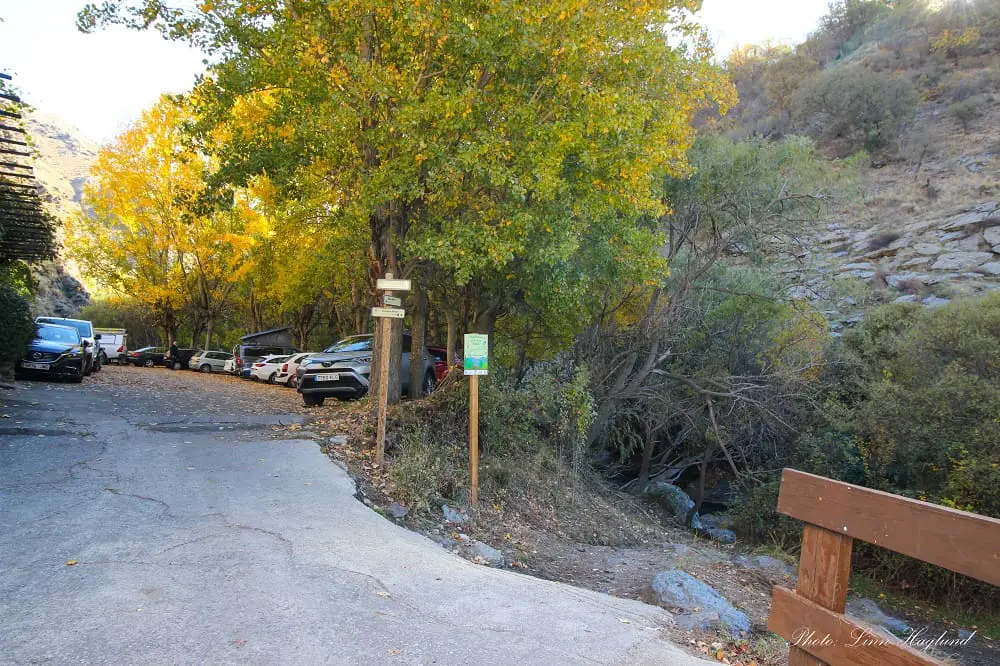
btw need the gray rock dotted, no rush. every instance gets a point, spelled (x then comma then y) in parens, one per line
(927, 248)
(986, 213)
(679, 589)
(765, 563)
(909, 298)
(397, 510)
(488, 553)
(991, 268)
(956, 261)
(951, 236)
(916, 261)
(868, 611)
(935, 301)
(453, 516)
(720, 534)
(672, 498)
(992, 236)
(338, 440)
(859, 266)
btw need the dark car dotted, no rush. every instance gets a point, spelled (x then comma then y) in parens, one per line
(181, 360)
(342, 371)
(56, 352)
(247, 355)
(88, 336)
(147, 356)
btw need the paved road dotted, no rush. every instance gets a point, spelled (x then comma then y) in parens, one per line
(215, 542)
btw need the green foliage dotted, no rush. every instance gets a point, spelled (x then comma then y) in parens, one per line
(17, 327)
(854, 106)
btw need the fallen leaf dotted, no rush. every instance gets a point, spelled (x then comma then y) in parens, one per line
(624, 620)
(383, 594)
(70, 563)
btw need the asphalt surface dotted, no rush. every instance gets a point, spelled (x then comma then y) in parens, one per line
(130, 534)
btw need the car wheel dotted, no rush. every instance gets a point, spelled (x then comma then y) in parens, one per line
(291, 382)
(104, 358)
(205, 367)
(76, 380)
(149, 363)
(312, 400)
(177, 365)
(270, 379)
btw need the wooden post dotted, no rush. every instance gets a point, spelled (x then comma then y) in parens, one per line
(474, 438)
(824, 570)
(384, 330)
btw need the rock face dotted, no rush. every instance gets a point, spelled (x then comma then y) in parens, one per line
(702, 607)
(57, 293)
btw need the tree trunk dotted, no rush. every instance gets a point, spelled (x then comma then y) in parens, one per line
(418, 336)
(647, 456)
(208, 333)
(452, 335)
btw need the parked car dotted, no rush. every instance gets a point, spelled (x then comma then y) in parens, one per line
(113, 345)
(91, 355)
(247, 355)
(230, 366)
(181, 360)
(440, 359)
(56, 352)
(210, 360)
(287, 374)
(342, 371)
(267, 368)
(147, 356)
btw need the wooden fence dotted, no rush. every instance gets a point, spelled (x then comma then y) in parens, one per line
(812, 616)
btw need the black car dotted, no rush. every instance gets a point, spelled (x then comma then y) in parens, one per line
(56, 352)
(181, 360)
(147, 356)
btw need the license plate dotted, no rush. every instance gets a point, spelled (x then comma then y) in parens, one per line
(34, 366)
(328, 377)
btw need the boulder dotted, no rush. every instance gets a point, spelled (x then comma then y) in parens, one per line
(909, 298)
(916, 261)
(956, 261)
(992, 237)
(674, 500)
(767, 564)
(453, 515)
(991, 268)
(491, 555)
(397, 510)
(984, 214)
(702, 606)
(868, 611)
(935, 301)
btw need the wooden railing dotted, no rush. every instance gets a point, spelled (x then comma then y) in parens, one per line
(812, 617)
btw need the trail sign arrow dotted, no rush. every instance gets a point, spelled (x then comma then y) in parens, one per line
(391, 313)
(392, 285)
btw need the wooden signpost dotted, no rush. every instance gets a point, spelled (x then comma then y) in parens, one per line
(476, 353)
(386, 286)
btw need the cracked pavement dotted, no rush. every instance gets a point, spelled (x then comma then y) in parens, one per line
(223, 544)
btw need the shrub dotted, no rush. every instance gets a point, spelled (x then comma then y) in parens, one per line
(17, 328)
(966, 112)
(854, 105)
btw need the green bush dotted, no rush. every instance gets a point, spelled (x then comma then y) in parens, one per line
(17, 328)
(967, 112)
(855, 106)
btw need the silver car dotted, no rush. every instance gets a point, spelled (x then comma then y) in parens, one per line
(209, 361)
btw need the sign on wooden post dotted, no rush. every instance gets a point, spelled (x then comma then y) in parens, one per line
(385, 328)
(477, 355)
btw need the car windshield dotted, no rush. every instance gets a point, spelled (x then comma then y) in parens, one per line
(57, 334)
(351, 345)
(82, 326)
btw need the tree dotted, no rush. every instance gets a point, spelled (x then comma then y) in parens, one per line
(148, 234)
(483, 139)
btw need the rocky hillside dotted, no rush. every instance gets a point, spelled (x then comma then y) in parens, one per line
(61, 167)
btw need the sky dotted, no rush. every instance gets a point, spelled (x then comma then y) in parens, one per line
(101, 82)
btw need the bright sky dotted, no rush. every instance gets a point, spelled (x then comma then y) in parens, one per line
(101, 82)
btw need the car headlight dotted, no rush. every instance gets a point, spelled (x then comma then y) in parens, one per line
(364, 360)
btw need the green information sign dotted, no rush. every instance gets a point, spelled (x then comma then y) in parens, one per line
(477, 354)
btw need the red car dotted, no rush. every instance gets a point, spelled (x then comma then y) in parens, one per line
(440, 356)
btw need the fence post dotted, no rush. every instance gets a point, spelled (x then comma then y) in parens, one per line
(824, 570)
